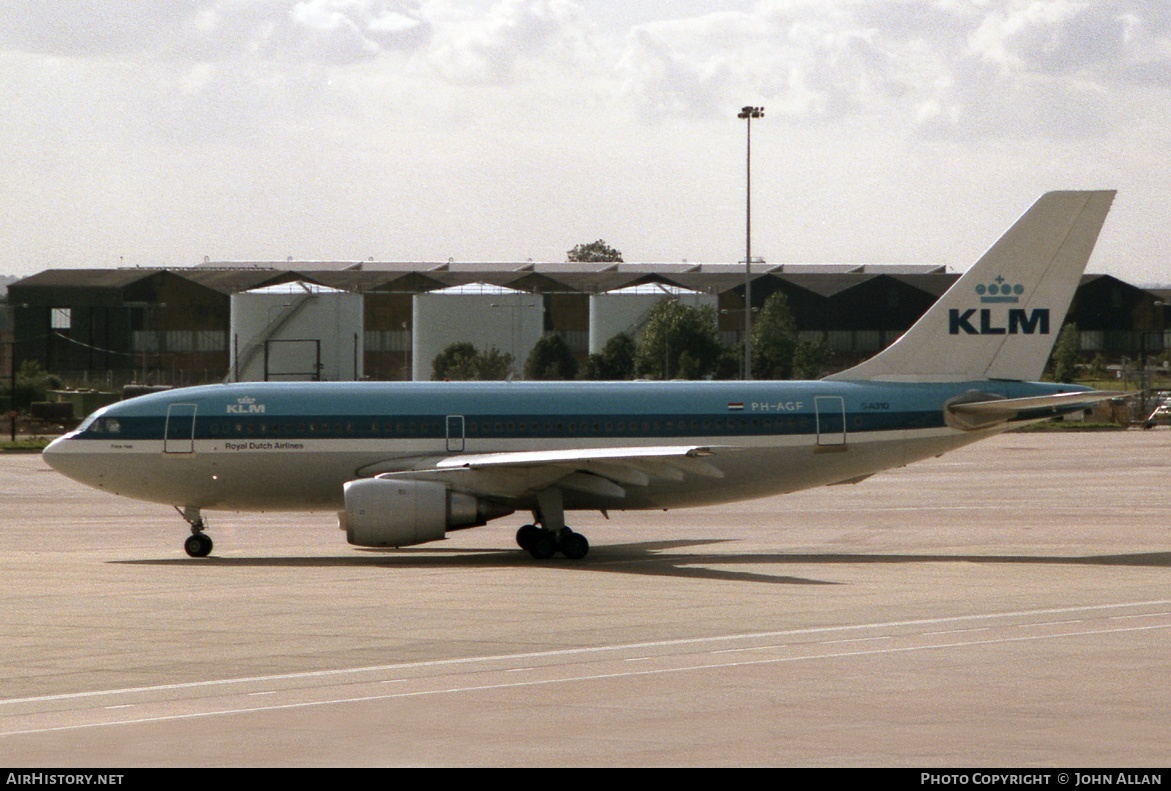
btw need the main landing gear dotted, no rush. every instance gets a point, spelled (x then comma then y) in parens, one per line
(552, 536)
(198, 544)
(543, 544)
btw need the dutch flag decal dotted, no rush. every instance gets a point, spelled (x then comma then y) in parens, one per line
(736, 406)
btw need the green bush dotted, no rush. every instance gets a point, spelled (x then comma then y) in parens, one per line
(33, 383)
(463, 362)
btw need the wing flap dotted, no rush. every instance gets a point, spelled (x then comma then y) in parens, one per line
(604, 472)
(573, 456)
(591, 484)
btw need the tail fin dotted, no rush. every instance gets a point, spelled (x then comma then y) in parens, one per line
(1000, 320)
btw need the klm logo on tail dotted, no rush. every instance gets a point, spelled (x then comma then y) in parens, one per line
(994, 322)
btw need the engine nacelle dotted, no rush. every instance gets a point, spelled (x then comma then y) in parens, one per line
(383, 512)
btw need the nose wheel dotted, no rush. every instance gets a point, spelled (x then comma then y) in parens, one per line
(198, 544)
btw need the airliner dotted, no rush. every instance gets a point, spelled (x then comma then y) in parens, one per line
(406, 463)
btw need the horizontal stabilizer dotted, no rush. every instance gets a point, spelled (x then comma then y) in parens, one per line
(991, 411)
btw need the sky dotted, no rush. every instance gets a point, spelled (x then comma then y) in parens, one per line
(144, 133)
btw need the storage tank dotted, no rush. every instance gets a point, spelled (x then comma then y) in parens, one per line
(478, 313)
(296, 331)
(625, 309)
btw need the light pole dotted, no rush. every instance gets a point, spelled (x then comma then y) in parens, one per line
(12, 385)
(748, 113)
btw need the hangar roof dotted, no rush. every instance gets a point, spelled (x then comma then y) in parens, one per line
(225, 281)
(227, 278)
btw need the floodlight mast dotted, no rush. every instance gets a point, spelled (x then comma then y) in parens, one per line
(748, 113)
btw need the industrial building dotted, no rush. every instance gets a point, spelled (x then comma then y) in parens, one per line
(388, 320)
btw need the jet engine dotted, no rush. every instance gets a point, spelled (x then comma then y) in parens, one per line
(384, 512)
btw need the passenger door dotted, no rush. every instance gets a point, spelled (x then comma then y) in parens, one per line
(179, 434)
(455, 433)
(831, 420)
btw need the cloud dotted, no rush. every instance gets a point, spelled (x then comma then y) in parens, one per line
(232, 69)
(357, 29)
(331, 30)
(1061, 37)
(1056, 68)
(946, 67)
(507, 40)
(807, 61)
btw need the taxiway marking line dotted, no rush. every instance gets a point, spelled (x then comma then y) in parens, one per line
(572, 679)
(572, 652)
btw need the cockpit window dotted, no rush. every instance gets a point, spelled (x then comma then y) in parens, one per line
(97, 424)
(90, 423)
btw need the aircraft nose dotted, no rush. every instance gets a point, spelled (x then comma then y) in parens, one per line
(52, 452)
(58, 456)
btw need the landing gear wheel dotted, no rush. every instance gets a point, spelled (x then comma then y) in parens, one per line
(527, 536)
(198, 545)
(574, 545)
(543, 546)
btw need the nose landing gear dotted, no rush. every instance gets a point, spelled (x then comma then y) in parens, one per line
(199, 543)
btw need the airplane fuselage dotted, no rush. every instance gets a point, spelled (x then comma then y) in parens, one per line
(292, 446)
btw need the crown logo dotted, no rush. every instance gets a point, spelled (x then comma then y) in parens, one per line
(246, 400)
(1000, 291)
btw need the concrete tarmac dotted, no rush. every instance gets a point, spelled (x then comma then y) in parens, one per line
(1008, 604)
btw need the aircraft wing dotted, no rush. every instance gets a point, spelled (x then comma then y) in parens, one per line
(606, 472)
(991, 411)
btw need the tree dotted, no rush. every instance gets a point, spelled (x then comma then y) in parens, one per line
(810, 358)
(551, 358)
(614, 362)
(594, 251)
(679, 342)
(33, 383)
(457, 361)
(463, 362)
(494, 365)
(1098, 370)
(1065, 354)
(774, 339)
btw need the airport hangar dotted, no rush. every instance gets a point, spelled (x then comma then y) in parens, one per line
(222, 320)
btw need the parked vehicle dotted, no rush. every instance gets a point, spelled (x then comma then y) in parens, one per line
(1161, 415)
